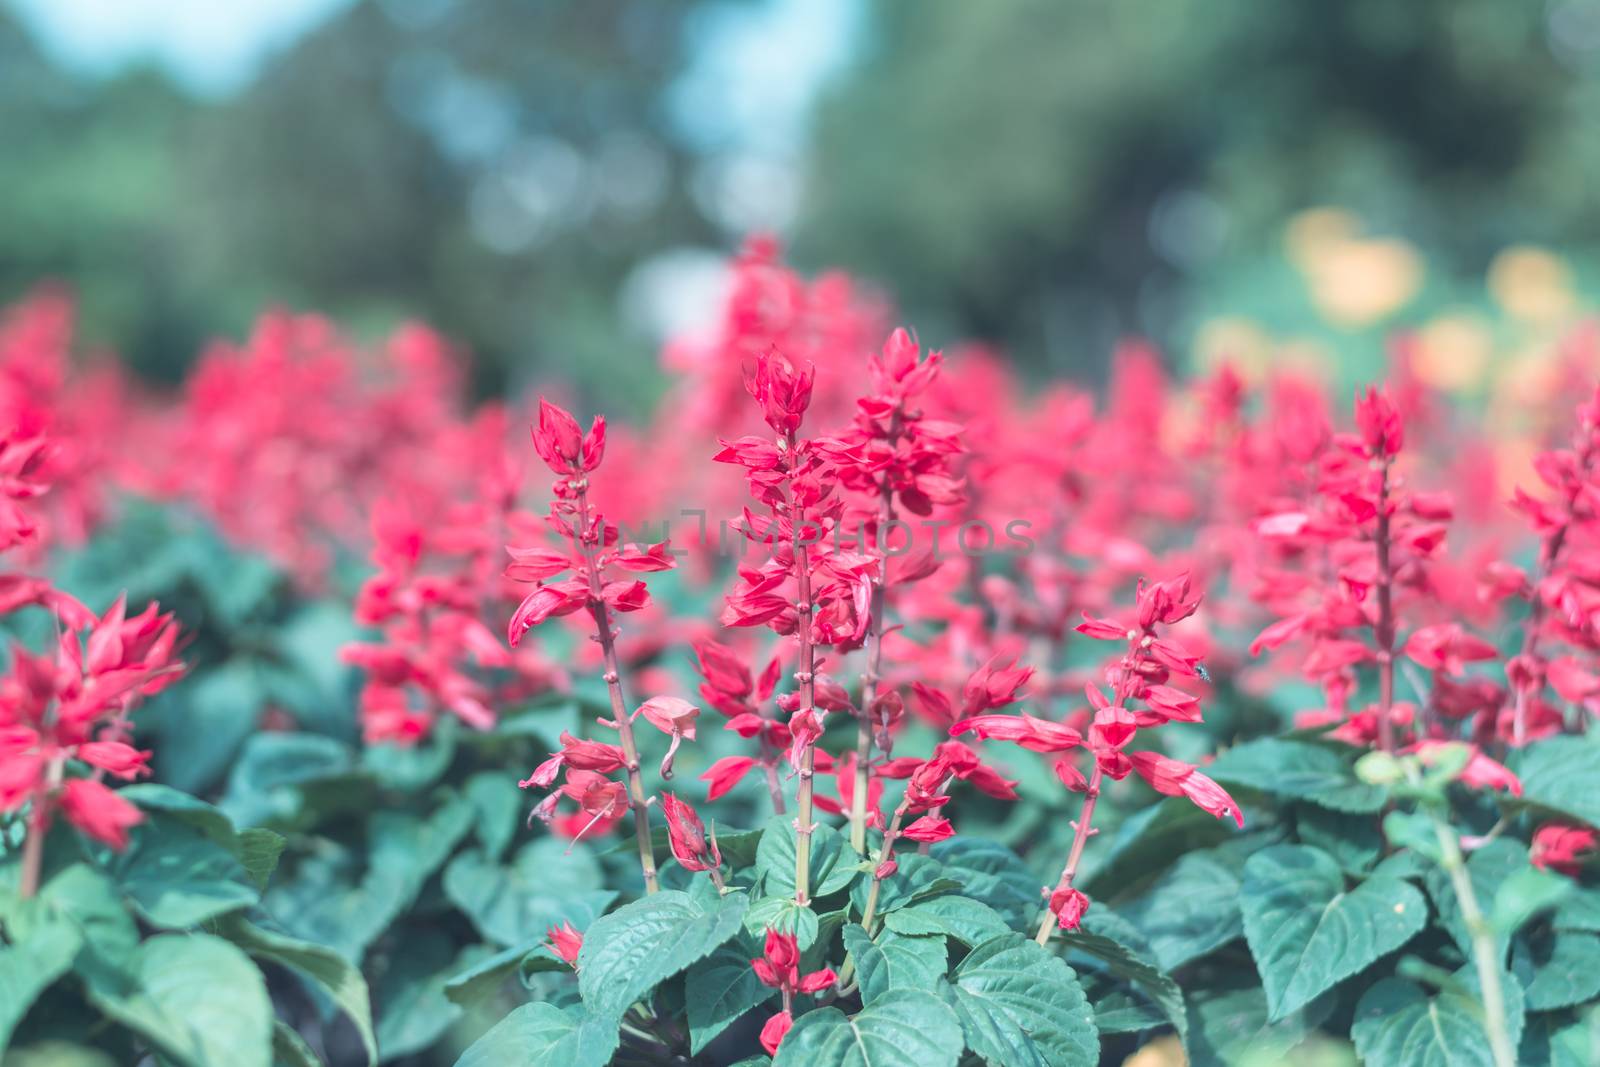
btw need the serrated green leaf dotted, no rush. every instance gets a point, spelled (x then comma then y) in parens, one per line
(543, 886)
(1525, 893)
(1146, 844)
(919, 878)
(894, 961)
(719, 990)
(1019, 1006)
(266, 781)
(1579, 911)
(1398, 1025)
(635, 948)
(833, 865)
(785, 916)
(195, 997)
(903, 1026)
(542, 1035)
(969, 921)
(323, 967)
(1307, 933)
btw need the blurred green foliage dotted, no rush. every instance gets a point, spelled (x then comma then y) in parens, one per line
(1048, 176)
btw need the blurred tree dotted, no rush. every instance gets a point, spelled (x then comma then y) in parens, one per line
(1048, 175)
(495, 167)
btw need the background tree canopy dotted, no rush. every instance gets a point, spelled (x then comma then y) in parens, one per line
(1045, 176)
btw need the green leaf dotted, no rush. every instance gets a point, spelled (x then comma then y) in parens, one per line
(719, 990)
(991, 872)
(919, 878)
(258, 853)
(1145, 844)
(1107, 937)
(635, 948)
(1398, 1025)
(472, 984)
(833, 865)
(1307, 934)
(1579, 911)
(497, 803)
(205, 722)
(542, 1035)
(785, 916)
(1230, 1026)
(207, 818)
(1524, 894)
(1297, 770)
(196, 997)
(29, 966)
(1558, 774)
(1020, 1006)
(542, 887)
(1560, 970)
(894, 961)
(903, 1026)
(409, 994)
(410, 768)
(266, 782)
(323, 967)
(178, 877)
(325, 903)
(289, 1049)
(969, 921)
(1192, 910)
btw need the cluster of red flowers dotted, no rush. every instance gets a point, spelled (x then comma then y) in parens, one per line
(64, 713)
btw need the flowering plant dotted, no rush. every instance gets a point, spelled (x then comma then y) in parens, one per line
(968, 724)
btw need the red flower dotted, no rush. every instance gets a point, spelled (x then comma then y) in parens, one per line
(99, 812)
(1069, 906)
(1562, 847)
(116, 758)
(1176, 778)
(726, 773)
(565, 942)
(929, 828)
(1034, 734)
(775, 1030)
(686, 834)
(779, 967)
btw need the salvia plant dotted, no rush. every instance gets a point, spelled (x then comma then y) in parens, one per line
(867, 707)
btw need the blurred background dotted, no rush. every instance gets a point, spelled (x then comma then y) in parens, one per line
(556, 183)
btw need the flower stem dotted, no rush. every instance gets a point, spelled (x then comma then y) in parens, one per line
(1485, 950)
(874, 671)
(619, 707)
(1383, 629)
(1079, 839)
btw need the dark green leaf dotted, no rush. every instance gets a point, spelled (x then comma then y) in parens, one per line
(719, 989)
(543, 886)
(969, 921)
(178, 877)
(1110, 939)
(323, 967)
(29, 965)
(1297, 770)
(1192, 910)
